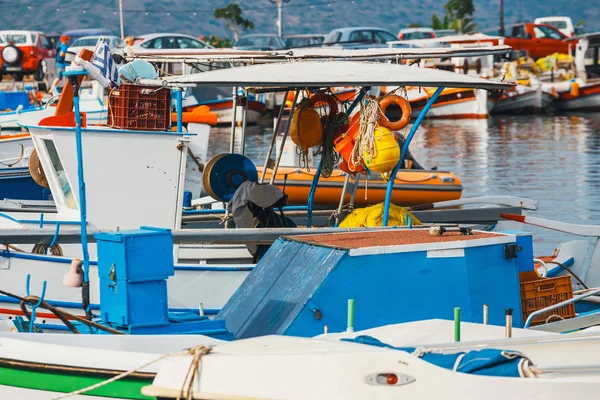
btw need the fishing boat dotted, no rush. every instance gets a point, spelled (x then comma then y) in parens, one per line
(452, 103)
(263, 365)
(582, 93)
(521, 100)
(92, 102)
(148, 188)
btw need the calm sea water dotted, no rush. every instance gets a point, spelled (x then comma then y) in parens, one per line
(552, 159)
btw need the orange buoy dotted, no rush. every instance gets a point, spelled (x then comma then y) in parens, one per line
(200, 115)
(575, 88)
(306, 130)
(344, 145)
(400, 102)
(320, 98)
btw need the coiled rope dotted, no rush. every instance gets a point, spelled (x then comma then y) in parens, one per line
(364, 146)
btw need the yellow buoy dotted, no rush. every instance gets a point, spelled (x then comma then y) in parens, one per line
(387, 152)
(306, 129)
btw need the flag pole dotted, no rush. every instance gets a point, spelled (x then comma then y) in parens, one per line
(121, 19)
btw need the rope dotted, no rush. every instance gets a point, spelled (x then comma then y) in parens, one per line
(364, 147)
(198, 352)
(190, 377)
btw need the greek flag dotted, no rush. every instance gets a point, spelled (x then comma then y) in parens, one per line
(104, 62)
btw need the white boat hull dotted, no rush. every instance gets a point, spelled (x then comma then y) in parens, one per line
(469, 104)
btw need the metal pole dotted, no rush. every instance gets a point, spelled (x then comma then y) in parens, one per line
(485, 314)
(280, 18)
(341, 205)
(311, 194)
(413, 130)
(121, 19)
(509, 322)
(85, 289)
(179, 99)
(457, 324)
(274, 138)
(285, 135)
(233, 122)
(244, 113)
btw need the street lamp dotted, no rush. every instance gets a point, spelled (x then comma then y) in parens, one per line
(279, 15)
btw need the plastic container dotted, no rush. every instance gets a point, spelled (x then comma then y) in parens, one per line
(144, 108)
(538, 293)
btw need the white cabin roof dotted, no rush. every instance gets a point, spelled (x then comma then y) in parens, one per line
(327, 74)
(325, 53)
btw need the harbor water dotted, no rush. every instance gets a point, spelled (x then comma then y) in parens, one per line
(552, 159)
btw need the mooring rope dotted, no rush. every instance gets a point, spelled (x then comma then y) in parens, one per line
(197, 352)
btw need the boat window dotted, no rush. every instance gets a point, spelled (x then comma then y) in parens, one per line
(60, 174)
(546, 32)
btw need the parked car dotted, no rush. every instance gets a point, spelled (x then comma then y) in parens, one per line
(170, 41)
(444, 32)
(75, 34)
(26, 52)
(416, 33)
(538, 40)
(359, 37)
(563, 24)
(89, 42)
(306, 40)
(260, 42)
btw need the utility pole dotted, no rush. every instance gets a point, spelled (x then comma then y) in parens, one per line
(121, 19)
(279, 15)
(501, 31)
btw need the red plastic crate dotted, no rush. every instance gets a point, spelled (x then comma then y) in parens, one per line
(538, 293)
(145, 108)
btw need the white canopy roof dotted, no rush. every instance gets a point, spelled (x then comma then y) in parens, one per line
(328, 74)
(324, 53)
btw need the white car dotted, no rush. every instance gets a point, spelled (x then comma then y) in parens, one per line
(89, 42)
(170, 41)
(416, 33)
(563, 24)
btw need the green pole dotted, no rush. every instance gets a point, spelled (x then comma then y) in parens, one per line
(350, 327)
(457, 324)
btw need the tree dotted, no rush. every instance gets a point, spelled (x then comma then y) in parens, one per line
(458, 16)
(414, 25)
(233, 14)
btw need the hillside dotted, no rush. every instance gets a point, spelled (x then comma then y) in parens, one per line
(300, 16)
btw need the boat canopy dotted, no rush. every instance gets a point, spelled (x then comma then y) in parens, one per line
(322, 53)
(309, 74)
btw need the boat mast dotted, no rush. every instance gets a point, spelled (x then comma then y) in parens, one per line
(501, 31)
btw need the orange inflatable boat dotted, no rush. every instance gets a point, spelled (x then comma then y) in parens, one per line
(411, 187)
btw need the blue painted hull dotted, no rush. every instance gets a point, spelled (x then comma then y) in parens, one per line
(17, 183)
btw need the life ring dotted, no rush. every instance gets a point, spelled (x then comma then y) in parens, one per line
(326, 98)
(36, 170)
(400, 102)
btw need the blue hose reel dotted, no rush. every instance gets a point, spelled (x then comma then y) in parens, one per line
(224, 173)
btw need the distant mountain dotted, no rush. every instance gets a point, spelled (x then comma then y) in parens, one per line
(300, 16)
